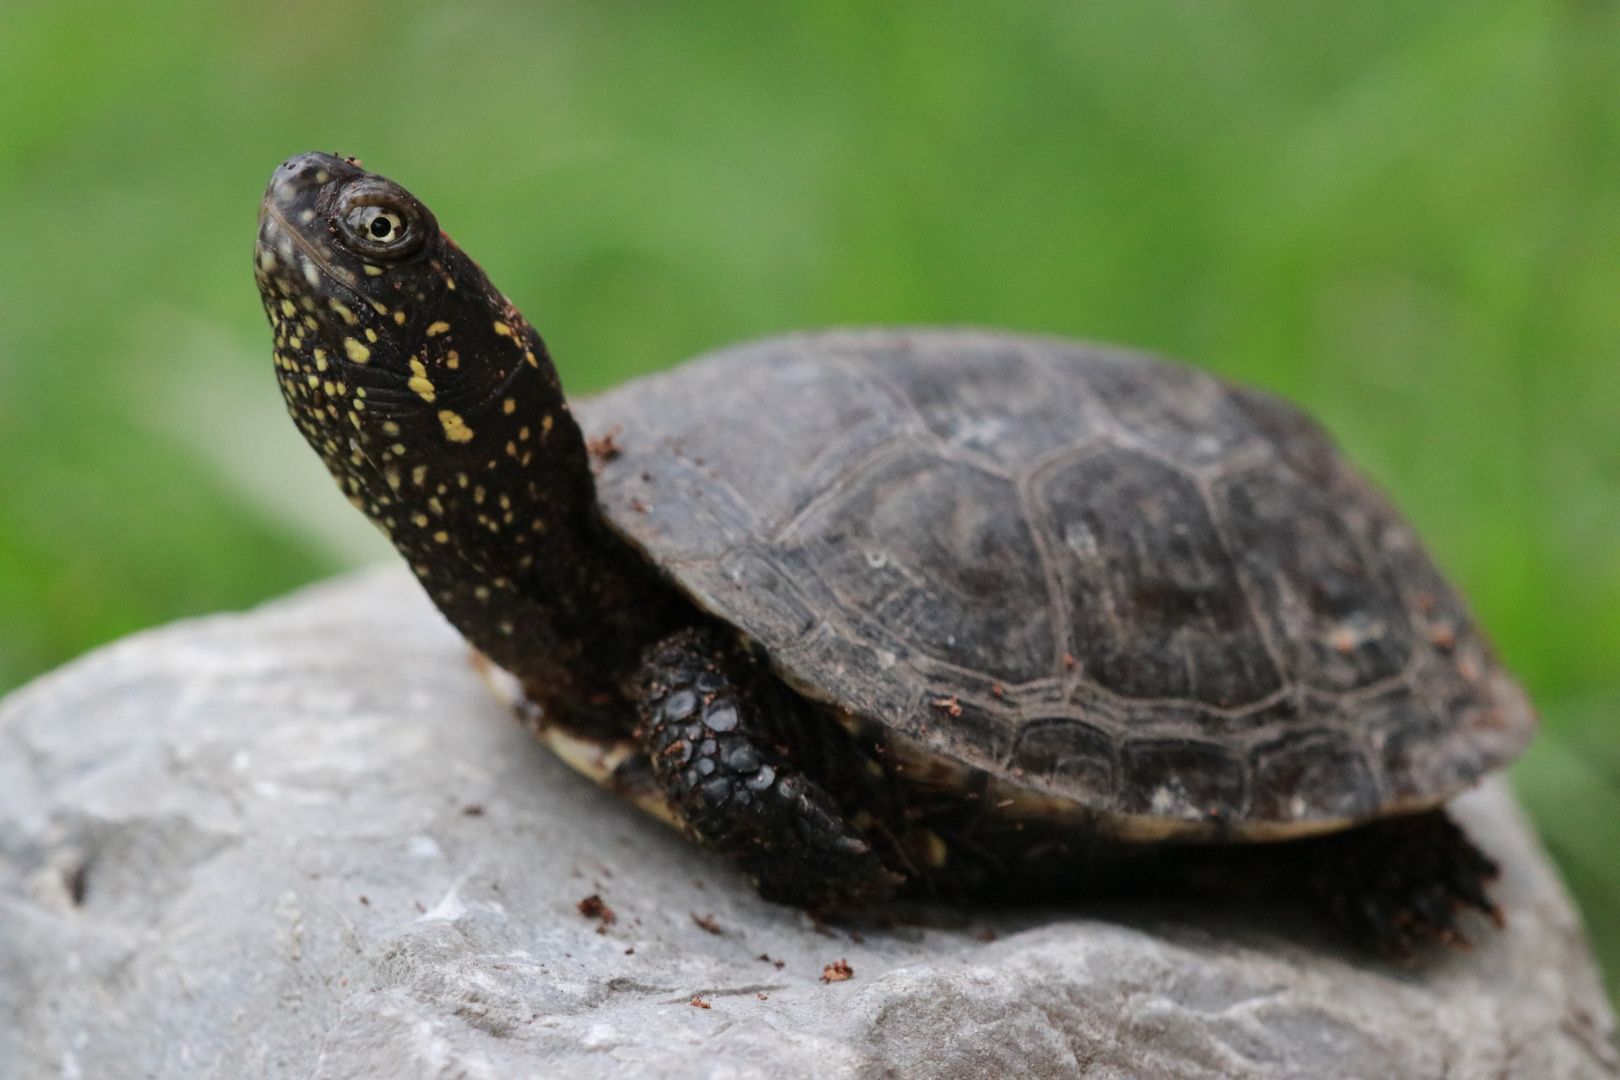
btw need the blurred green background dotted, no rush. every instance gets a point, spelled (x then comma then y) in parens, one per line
(1404, 216)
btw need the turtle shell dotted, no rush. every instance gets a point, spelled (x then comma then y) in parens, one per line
(1097, 575)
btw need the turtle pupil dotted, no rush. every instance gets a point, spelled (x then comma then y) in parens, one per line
(381, 227)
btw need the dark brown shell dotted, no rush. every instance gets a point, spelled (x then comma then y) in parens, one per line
(1099, 575)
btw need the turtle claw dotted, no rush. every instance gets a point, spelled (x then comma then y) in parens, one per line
(1401, 883)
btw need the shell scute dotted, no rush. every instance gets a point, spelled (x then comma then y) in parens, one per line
(1419, 750)
(1321, 775)
(1157, 607)
(1332, 610)
(984, 398)
(1066, 754)
(1183, 779)
(1180, 413)
(941, 554)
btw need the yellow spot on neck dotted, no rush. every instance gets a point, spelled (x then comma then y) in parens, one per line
(390, 427)
(399, 317)
(288, 308)
(442, 537)
(545, 424)
(371, 335)
(508, 406)
(455, 428)
(502, 329)
(419, 383)
(372, 271)
(418, 475)
(452, 360)
(357, 352)
(349, 317)
(440, 327)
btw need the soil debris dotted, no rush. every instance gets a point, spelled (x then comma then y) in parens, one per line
(837, 971)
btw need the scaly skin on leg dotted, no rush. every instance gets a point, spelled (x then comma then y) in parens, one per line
(1397, 883)
(712, 721)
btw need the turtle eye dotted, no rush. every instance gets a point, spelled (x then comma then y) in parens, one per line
(378, 220)
(378, 226)
(384, 227)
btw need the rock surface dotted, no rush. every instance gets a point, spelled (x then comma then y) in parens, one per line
(305, 842)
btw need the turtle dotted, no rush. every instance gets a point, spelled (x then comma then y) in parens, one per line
(908, 612)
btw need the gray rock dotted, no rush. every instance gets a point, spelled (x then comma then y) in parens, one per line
(305, 842)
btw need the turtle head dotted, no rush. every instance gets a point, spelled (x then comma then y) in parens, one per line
(379, 317)
(426, 393)
(403, 366)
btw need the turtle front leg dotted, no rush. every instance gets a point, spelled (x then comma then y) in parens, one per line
(717, 730)
(1397, 883)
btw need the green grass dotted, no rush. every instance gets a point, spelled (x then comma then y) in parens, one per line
(1405, 216)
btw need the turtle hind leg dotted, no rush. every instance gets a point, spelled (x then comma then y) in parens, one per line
(718, 733)
(1397, 883)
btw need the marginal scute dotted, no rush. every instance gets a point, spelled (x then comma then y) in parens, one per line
(1318, 775)
(1069, 754)
(1181, 779)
